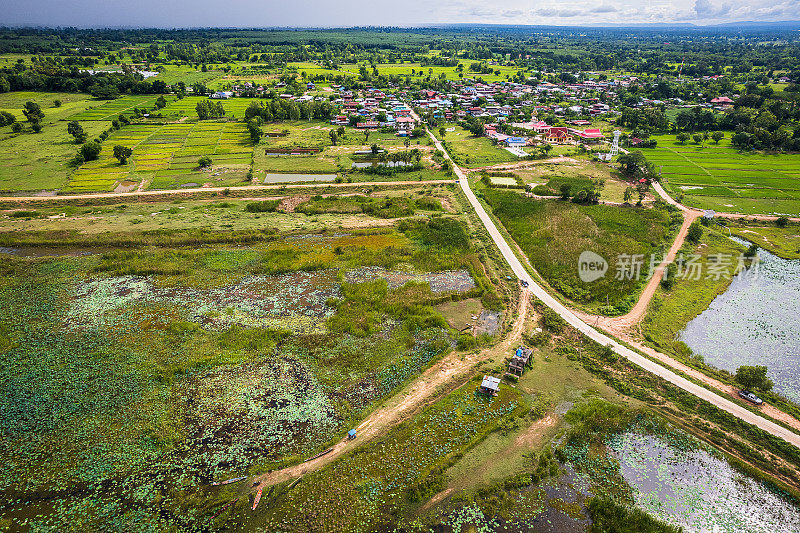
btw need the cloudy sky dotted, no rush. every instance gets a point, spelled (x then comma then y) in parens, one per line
(271, 13)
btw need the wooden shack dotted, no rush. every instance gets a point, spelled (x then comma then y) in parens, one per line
(519, 361)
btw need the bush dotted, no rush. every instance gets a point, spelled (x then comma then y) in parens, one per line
(265, 206)
(782, 222)
(609, 516)
(16, 127)
(204, 162)
(695, 233)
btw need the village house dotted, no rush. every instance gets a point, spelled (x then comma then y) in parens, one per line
(404, 126)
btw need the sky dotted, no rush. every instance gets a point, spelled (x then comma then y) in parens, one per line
(342, 13)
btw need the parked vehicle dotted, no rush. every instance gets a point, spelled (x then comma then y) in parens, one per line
(524, 283)
(750, 397)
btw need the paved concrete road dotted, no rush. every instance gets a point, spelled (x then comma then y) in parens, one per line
(639, 360)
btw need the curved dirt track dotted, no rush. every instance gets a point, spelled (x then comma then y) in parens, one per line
(420, 392)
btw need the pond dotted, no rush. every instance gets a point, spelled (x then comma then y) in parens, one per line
(290, 178)
(366, 164)
(755, 322)
(680, 481)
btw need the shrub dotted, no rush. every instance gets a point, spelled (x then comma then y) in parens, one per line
(695, 233)
(204, 162)
(782, 222)
(265, 206)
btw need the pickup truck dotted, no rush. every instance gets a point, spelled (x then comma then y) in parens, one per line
(750, 397)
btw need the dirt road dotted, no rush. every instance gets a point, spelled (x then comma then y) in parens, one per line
(639, 360)
(420, 392)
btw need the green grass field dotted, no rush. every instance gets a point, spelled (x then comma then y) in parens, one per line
(471, 151)
(719, 177)
(168, 155)
(110, 109)
(38, 161)
(553, 234)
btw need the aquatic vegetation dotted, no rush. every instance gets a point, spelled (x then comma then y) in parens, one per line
(765, 335)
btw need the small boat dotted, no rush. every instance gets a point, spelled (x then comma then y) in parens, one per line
(258, 498)
(228, 481)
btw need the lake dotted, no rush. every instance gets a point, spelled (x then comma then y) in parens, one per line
(756, 321)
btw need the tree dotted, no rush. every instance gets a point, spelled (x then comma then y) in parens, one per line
(76, 130)
(56, 103)
(442, 132)
(717, 136)
(202, 109)
(254, 127)
(375, 149)
(628, 194)
(634, 165)
(33, 112)
(16, 127)
(565, 191)
(204, 162)
(694, 233)
(334, 137)
(90, 151)
(366, 136)
(122, 153)
(697, 138)
(682, 137)
(160, 102)
(753, 377)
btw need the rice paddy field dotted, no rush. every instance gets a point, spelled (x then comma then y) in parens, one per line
(185, 107)
(167, 155)
(110, 109)
(719, 177)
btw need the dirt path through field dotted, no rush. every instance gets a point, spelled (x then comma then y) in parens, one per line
(419, 393)
(188, 192)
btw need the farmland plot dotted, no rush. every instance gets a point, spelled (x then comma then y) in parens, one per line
(718, 177)
(168, 155)
(110, 109)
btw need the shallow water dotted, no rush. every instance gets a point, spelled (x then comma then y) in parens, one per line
(289, 178)
(690, 487)
(755, 322)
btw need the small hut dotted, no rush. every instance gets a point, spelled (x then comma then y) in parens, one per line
(490, 385)
(520, 360)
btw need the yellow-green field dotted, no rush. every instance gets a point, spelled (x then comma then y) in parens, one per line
(168, 156)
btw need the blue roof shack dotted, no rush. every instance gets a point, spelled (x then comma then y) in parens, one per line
(351, 434)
